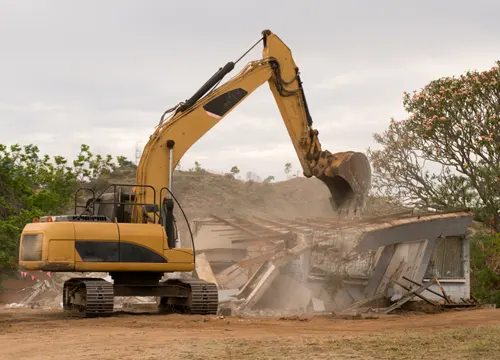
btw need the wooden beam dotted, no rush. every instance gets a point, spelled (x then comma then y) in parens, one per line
(407, 297)
(264, 228)
(444, 292)
(419, 295)
(230, 223)
(269, 238)
(429, 290)
(275, 223)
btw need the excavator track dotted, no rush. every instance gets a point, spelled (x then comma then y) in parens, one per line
(204, 298)
(88, 297)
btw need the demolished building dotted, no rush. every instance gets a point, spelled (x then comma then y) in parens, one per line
(328, 264)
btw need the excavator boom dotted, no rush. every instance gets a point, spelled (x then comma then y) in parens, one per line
(346, 174)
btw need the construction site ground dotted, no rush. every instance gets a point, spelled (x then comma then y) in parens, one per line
(36, 334)
(27, 333)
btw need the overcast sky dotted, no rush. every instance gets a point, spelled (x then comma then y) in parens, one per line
(103, 72)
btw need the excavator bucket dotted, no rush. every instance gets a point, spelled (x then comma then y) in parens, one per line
(348, 177)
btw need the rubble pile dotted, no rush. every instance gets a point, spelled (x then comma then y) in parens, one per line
(41, 295)
(283, 267)
(46, 293)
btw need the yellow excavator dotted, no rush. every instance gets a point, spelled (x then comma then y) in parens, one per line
(130, 232)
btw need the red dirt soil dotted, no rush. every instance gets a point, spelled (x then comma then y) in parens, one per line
(35, 334)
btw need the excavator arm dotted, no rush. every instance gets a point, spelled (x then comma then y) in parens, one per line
(346, 174)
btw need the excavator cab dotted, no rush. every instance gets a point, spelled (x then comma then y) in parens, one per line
(109, 204)
(116, 204)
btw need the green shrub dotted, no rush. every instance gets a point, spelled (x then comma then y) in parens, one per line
(485, 268)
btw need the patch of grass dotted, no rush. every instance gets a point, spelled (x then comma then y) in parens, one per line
(478, 343)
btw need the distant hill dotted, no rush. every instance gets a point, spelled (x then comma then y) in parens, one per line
(203, 193)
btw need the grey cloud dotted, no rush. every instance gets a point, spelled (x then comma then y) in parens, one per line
(103, 72)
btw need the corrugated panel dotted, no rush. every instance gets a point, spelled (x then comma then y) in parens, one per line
(446, 260)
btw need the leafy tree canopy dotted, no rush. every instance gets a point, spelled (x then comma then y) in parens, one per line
(32, 185)
(446, 154)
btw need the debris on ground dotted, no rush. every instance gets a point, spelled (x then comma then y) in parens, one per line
(47, 293)
(351, 268)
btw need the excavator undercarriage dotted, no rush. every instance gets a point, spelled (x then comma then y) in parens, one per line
(90, 297)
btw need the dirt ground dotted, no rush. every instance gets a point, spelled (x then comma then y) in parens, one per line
(35, 334)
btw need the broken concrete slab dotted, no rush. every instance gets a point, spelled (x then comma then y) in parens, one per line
(318, 305)
(258, 284)
(236, 275)
(232, 277)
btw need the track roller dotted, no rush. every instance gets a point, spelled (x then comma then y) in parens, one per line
(203, 298)
(88, 297)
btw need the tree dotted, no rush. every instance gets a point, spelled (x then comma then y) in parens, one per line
(252, 177)
(32, 185)
(453, 129)
(234, 170)
(88, 167)
(123, 162)
(288, 168)
(197, 168)
(485, 268)
(269, 179)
